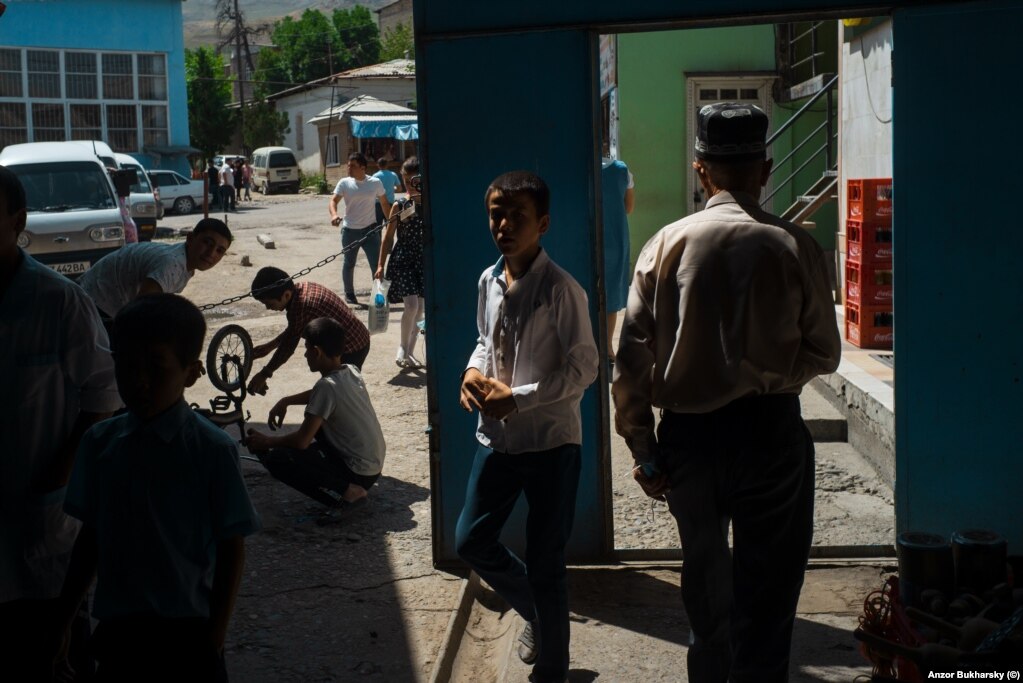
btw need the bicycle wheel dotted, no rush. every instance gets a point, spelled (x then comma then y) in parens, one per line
(229, 358)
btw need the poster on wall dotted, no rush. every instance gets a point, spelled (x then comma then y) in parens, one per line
(608, 64)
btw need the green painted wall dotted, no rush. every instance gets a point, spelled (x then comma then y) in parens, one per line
(652, 123)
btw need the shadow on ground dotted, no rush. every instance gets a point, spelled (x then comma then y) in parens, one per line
(319, 603)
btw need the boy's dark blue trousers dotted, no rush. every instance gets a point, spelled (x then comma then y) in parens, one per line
(750, 463)
(536, 588)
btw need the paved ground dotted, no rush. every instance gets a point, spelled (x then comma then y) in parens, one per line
(361, 600)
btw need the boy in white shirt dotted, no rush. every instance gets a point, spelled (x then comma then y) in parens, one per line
(534, 358)
(337, 453)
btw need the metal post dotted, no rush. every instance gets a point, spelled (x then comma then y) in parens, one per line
(830, 116)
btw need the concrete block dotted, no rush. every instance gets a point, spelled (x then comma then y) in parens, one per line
(266, 240)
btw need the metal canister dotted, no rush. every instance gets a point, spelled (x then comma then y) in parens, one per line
(980, 558)
(925, 562)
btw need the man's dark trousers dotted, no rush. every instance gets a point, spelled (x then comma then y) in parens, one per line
(536, 589)
(750, 463)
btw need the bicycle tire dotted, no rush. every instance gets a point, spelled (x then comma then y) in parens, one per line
(230, 340)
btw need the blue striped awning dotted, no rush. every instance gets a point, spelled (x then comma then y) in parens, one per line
(385, 126)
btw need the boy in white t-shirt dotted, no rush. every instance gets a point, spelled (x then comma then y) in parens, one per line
(360, 193)
(337, 453)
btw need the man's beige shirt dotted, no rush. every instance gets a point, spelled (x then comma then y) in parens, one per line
(728, 302)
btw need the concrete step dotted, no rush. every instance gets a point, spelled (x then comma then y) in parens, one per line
(825, 422)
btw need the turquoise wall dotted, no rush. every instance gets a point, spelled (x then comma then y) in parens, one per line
(137, 26)
(958, 281)
(460, 241)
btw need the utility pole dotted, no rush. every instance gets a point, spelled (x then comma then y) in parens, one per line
(238, 29)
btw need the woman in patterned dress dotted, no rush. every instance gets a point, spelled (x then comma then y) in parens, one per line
(405, 268)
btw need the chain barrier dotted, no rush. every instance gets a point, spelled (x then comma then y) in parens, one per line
(305, 271)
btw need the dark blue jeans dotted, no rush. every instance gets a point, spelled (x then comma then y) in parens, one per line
(536, 588)
(750, 463)
(371, 248)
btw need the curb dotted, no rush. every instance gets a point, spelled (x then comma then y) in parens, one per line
(456, 628)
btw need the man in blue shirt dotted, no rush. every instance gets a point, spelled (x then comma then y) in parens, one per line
(390, 180)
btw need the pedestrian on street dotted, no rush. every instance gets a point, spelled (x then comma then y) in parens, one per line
(213, 184)
(152, 267)
(390, 181)
(618, 201)
(239, 176)
(360, 194)
(405, 267)
(534, 358)
(58, 381)
(247, 180)
(164, 510)
(227, 186)
(337, 453)
(729, 315)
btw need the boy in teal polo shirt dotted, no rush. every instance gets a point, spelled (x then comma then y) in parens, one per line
(164, 509)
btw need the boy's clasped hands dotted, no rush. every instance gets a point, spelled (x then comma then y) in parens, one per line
(488, 395)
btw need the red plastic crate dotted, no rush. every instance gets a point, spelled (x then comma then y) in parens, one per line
(868, 283)
(869, 327)
(868, 242)
(869, 200)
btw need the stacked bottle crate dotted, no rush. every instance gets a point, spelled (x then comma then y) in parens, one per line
(868, 266)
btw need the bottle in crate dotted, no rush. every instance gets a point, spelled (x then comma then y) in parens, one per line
(869, 327)
(868, 242)
(869, 200)
(868, 283)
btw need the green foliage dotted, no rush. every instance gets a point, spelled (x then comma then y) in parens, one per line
(397, 43)
(358, 35)
(315, 45)
(317, 180)
(264, 126)
(210, 122)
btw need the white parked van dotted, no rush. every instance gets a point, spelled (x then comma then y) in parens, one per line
(73, 215)
(274, 169)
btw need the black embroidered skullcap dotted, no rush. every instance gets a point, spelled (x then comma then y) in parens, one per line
(730, 131)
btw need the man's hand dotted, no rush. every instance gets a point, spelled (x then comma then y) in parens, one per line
(277, 413)
(335, 221)
(379, 274)
(475, 388)
(257, 442)
(499, 402)
(655, 486)
(257, 385)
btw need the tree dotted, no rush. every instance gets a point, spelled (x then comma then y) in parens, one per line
(315, 46)
(397, 44)
(264, 126)
(359, 36)
(210, 122)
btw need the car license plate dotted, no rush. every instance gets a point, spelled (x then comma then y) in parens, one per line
(283, 174)
(71, 268)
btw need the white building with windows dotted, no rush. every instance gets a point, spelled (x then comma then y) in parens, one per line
(106, 70)
(392, 83)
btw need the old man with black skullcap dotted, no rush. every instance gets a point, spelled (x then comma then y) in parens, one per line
(730, 313)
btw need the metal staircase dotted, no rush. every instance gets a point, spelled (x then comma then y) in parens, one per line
(800, 54)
